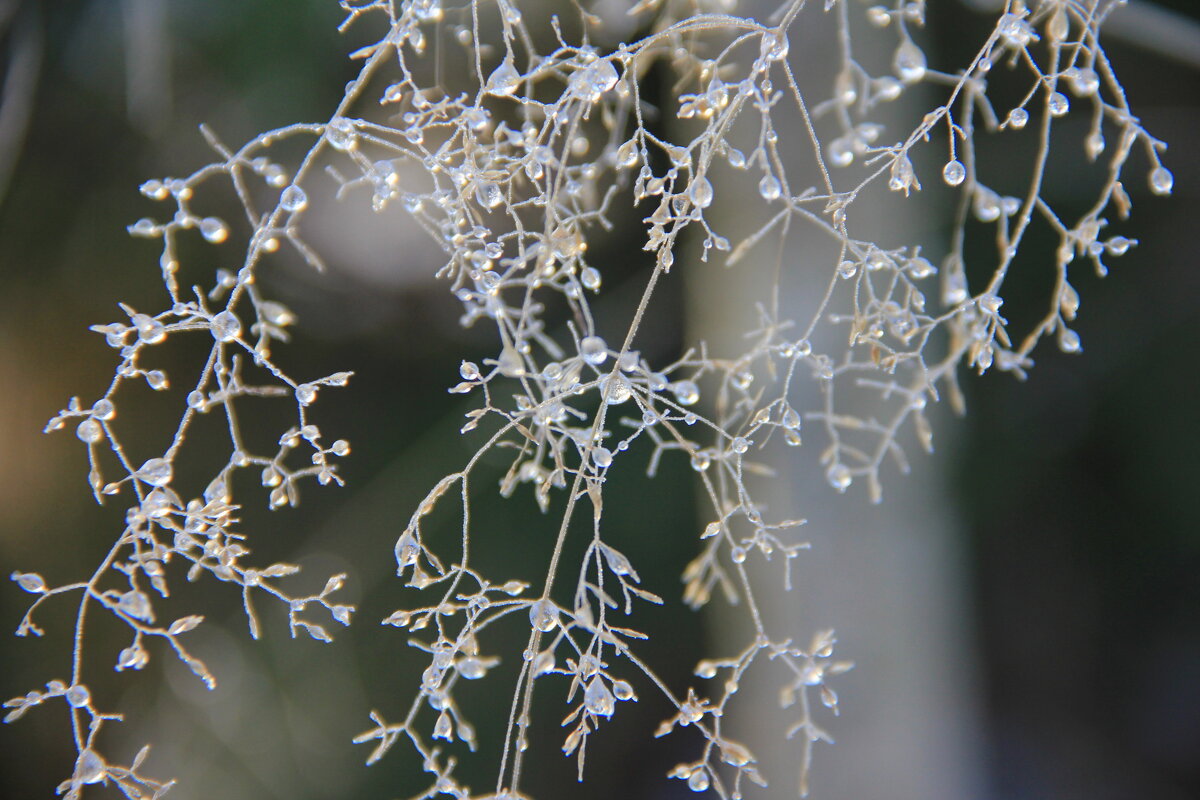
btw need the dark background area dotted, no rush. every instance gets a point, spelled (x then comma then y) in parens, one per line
(1077, 487)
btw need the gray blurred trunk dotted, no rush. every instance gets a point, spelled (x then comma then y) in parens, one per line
(889, 578)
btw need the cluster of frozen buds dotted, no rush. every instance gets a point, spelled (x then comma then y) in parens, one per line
(513, 174)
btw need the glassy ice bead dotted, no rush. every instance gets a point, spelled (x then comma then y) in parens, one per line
(78, 696)
(543, 616)
(293, 199)
(839, 477)
(156, 472)
(1058, 104)
(598, 698)
(686, 392)
(770, 188)
(306, 393)
(340, 134)
(909, 62)
(504, 80)
(594, 350)
(1161, 181)
(701, 192)
(89, 431)
(213, 230)
(226, 326)
(90, 768)
(954, 172)
(602, 457)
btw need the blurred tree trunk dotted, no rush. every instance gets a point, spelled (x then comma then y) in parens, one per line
(888, 577)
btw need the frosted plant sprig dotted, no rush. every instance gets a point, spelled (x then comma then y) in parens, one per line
(167, 522)
(894, 330)
(514, 166)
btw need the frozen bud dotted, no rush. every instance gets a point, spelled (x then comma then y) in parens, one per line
(594, 350)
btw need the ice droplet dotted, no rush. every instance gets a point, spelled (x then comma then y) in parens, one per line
(1068, 340)
(594, 350)
(213, 230)
(157, 504)
(986, 205)
(427, 10)
(590, 278)
(701, 192)
(340, 134)
(602, 457)
(887, 88)
(444, 728)
(686, 392)
(903, 177)
(543, 616)
(78, 696)
(150, 330)
(154, 189)
(615, 389)
(1118, 245)
(156, 472)
(510, 363)
(489, 194)
(89, 431)
(840, 152)
(226, 326)
(504, 80)
(920, 268)
(1014, 30)
(844, 90)
(306, 393)
(30, 582)
(136, 604)
(1058, 104)
(594, 80)
(472, 668)
(90, 768)
(627, 154)
(909, 62)
(1084, 81)
(954, 172)
(770, 188)
(598, 698)
(407, 550)
(774, 47)
(1161, 180)
(293, 199)
(839, 477)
